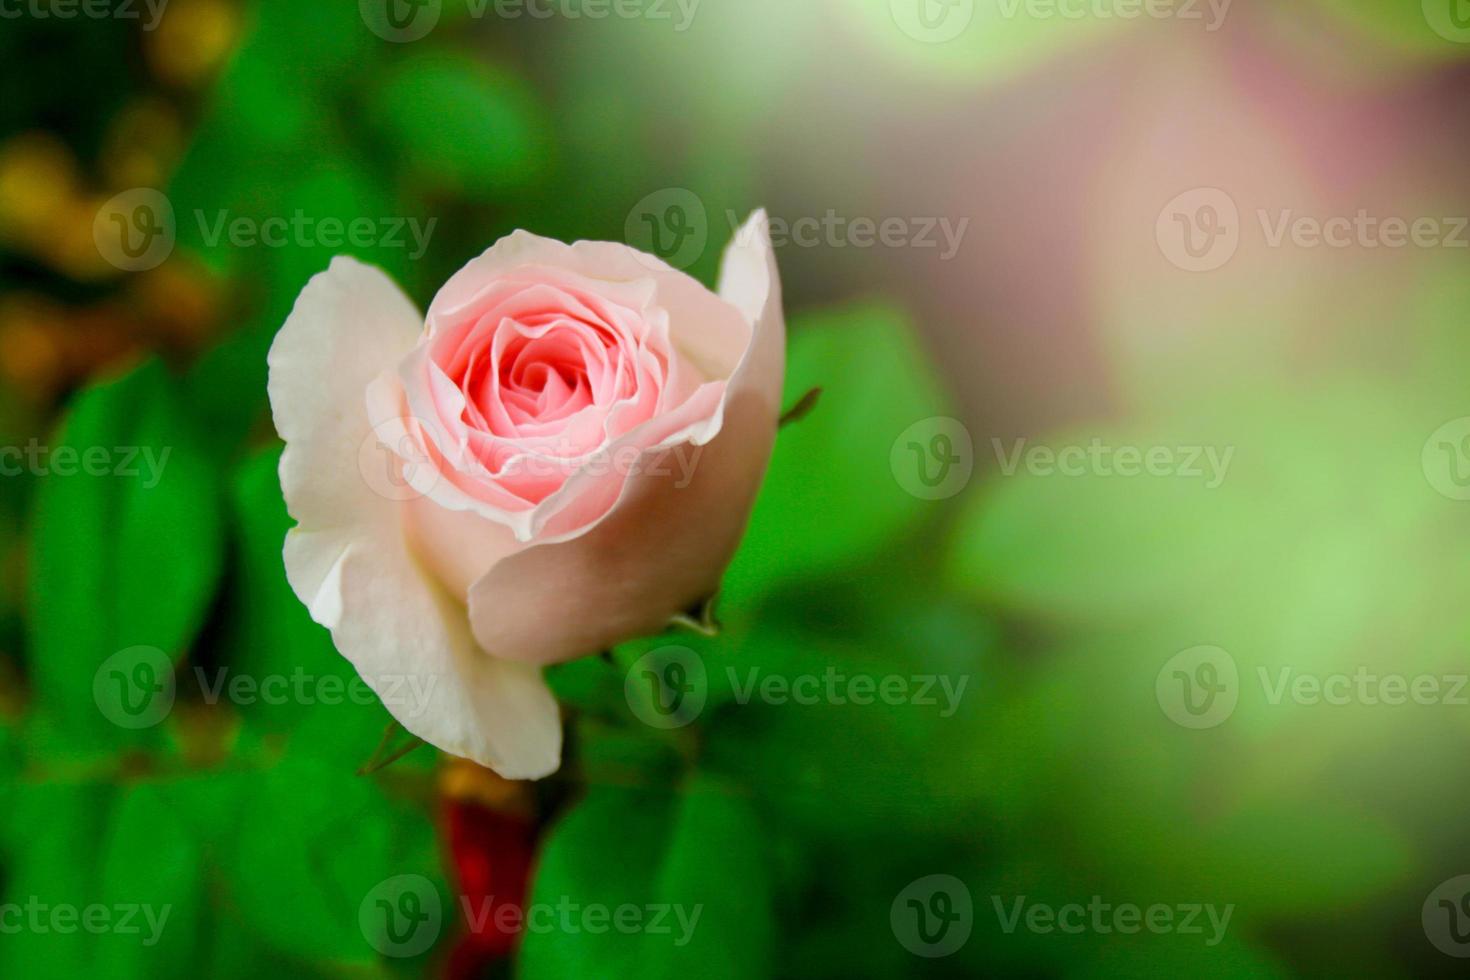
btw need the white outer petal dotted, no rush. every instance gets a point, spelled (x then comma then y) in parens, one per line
(348, 560)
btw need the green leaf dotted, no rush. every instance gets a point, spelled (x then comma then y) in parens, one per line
(300, 686)
(1094, 545)
(831, 499)
(606, 851)
(208, 807)
(267, 631)
(1146, 956)
(10, 764)
(282, 84)
(589, 683)
(699, 855)
(314, 841)
(226, 387)
(233, 953)
(151, 861)
(461, 124)
(857, 752)
(169, 544)
(337, 187)
(715, 865)
(124, 554)
(54, 865)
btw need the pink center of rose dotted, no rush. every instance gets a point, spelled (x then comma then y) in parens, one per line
(535, 375)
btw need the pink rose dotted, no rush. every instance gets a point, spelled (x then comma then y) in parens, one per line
(563, 456)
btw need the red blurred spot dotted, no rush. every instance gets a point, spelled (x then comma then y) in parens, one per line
(492, 852)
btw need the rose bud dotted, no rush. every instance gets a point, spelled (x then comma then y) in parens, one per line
(562, 456)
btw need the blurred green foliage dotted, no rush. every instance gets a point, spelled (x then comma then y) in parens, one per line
(791, 827)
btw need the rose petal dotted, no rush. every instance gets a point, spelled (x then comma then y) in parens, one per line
(346, 325)
(665, 545)
(680, 343)
(348, 561)
(401, 630)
